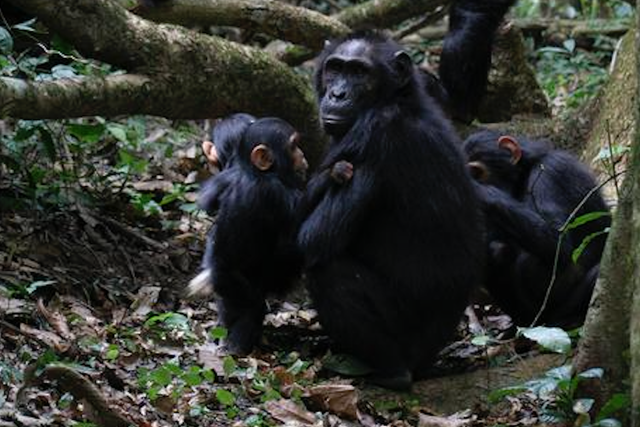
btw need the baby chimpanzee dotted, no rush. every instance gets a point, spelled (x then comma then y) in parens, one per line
(220, 150)
(222, 147)
(529, 190)
(254, 252)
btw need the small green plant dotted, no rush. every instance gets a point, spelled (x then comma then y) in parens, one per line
(155, 382)
(556, 396)
(169, 326)
(570, 76)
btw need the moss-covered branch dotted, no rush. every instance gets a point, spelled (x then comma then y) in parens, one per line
(190, 75)
(123, 94)
(385, 13)
(283, 21)
(295, 24)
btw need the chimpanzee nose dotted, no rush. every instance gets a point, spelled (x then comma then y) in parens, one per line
(338, 93)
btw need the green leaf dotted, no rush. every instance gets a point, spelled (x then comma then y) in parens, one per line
(481, 340)
(229, 366)
(219, 332)
(583, 219)
(86, 133)
(552, 339)
(112, 353)
(608, 422)
(582, 406)
(192, 376)
(611, 153)
(497, 395)
(161, 376)
(592, 373)
(26, 26)
(270, 394)
(46, 139)
(171, 320)
(618, 402)
(6, 41)
(577, 252)
(39, 284)
(63, 72)
(559, 373)
(297, 367)
(208, 375)
(570, 45)
(189, 207)
(119, 132)
(225, 397)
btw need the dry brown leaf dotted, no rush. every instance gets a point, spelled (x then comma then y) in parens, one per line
(339, 399)
(14, 306)
(57, 321)
(159, 186)
(455, 420)
(211, 357)
(288, 411)
(82, 310)
(145, 299)
(49, 338)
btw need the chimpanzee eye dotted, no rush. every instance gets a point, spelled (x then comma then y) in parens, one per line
(333, 65)
(357, 69)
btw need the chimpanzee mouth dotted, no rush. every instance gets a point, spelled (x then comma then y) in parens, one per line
(335, 125)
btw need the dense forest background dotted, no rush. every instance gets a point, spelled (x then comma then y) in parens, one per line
(104, 105)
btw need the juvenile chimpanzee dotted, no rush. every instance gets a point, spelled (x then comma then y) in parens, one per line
(220, 150)
(222, 146)
(528, 191)
(392, 254)
(254, 252)
(466, 54)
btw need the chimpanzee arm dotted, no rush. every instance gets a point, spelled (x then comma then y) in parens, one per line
(210, 194)
(525, 225)
(334, 176)
(331, 224)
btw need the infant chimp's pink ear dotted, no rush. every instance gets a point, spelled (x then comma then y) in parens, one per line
(262, 157)
(510, 143)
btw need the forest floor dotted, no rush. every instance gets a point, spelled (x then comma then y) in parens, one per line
(96, 302)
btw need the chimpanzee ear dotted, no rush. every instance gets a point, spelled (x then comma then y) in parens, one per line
(262, 157)
(478, 171)
(508, 142)
(210, 152)
(403, 65)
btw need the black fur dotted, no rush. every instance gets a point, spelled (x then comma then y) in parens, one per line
(393, 254)
(254, 252)
(226, 136)
(466, 53)
(526, 204)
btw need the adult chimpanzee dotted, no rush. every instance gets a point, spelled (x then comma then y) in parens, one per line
(254, 252)
(529, 191)
(392, 254)
(220, 150)
(466, 55)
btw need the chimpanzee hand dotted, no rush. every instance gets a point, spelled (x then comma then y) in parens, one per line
(341, 172)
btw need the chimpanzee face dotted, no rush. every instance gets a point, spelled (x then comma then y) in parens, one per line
(299, 161)
(350, 83)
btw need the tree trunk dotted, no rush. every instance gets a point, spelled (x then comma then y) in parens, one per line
(612, 329)
(176, 73)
